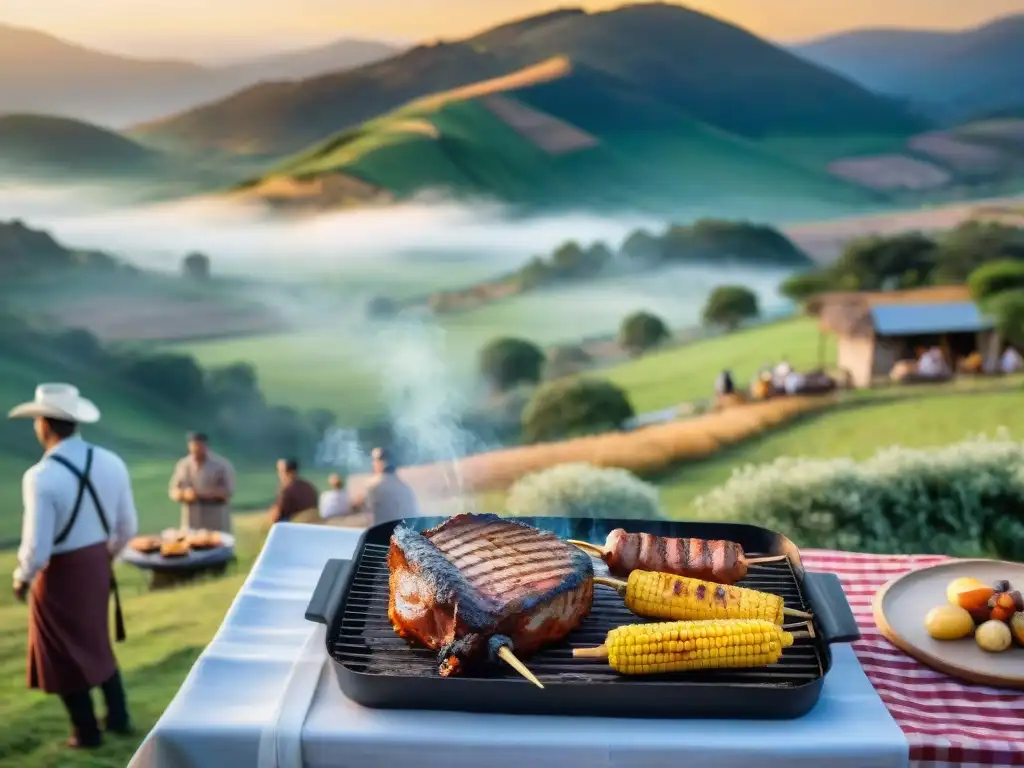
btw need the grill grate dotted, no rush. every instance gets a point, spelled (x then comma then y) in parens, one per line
(365, 641)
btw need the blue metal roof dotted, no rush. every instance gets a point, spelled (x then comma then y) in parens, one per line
(916, 319)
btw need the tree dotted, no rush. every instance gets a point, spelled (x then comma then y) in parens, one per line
(974, 243)
(642, 331)
(802, 286)
(642, 246)
(196, 266)
(989, 280)
(380, 307)
(506, 362)
(573, 407)
(870, 263)
(717, 240)
(1008, 310)
(729, 305)
(568, 259)
(563, 361)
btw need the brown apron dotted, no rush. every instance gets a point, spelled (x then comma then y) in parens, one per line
(68, 634)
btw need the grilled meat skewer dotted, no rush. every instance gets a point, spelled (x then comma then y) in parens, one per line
(480, 586)
(722, 562)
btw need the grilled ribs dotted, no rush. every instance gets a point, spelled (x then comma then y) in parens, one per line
(478, 582)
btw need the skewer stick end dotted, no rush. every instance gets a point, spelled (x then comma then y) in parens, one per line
(796, 613)
(772, 559)
(586, 546)
(506, 655)
(597, 652)
(617, 584)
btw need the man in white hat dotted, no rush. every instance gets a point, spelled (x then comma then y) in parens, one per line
(79, 513)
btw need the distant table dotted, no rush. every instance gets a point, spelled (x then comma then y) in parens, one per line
(947, 723)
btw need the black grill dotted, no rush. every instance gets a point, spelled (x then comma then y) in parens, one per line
(377, 668)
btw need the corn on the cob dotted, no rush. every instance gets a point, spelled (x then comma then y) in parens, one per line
(665, 596)
(678, 646)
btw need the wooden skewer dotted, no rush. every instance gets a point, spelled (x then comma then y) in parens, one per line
(601, 552)
(601, 651)
(589, 548)
(620, 586)
(506, 655)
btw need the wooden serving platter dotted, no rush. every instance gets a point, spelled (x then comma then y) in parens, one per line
(901, 605)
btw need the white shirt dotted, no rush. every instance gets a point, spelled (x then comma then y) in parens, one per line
(793, 382)
(1012, 361)
(48, 492)
(389, 498)
(334, 503)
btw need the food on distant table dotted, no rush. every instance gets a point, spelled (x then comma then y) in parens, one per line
(722, 562)
(993, 636)
(145, 545)
(479, 586)
(679, 646)
(949, 622)
(173, 548)
(666, 596)
(203, 539)
(1017, 627)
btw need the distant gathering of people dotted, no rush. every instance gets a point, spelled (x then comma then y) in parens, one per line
(933, 363)
(772, 381)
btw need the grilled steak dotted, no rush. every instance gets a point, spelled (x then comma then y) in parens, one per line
(477, 582)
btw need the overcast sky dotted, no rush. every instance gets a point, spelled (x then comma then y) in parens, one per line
(227, 28)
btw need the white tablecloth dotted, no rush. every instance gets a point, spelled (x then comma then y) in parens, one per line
(263, 695)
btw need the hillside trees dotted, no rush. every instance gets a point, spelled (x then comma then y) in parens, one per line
(507, 362)
(196, 266)
(574, 407)
(989, 280)
(642, 331)
(730, 305)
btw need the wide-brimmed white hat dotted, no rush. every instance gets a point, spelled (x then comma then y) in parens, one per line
(58, 401)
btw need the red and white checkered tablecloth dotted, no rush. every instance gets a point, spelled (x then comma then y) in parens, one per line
(946, 722)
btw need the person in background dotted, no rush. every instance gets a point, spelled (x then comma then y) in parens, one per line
(782, 370)
(388, 497)
(1011, 361)
(724, 384)
(203, 483)
(295, 494)
(79, 514)
(794, 383)
(334, 502)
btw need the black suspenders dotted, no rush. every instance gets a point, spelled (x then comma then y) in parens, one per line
(85, 484)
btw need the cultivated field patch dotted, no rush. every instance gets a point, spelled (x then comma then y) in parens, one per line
(962, 156)
(548, 133)
(887, 173)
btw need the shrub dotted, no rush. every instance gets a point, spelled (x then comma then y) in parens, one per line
(575, 407)
(964, 500)
(800, 287)
(583, 490)
(990, 280)
(642, 331)
(729, 305)
(504, 363)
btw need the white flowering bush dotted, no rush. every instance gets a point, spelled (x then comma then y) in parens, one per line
(964, 499)
(583, 490)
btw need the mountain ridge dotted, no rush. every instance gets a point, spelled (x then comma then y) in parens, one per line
(725, 75)
(953, 74)
(46, 74)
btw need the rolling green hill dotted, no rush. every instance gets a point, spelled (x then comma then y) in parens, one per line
(716, 73)
(557, 133)
(44, 145)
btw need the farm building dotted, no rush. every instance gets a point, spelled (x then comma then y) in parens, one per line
(877, 330)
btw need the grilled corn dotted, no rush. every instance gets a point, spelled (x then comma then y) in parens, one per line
(666, 596)
(679, 646)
